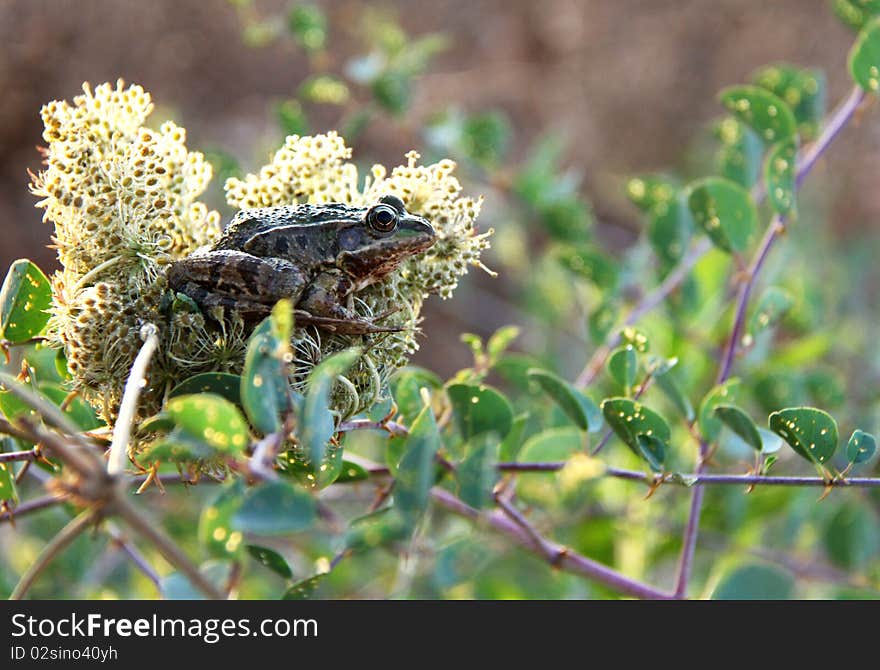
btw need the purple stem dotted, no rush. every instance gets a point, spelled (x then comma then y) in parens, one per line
(562, 557)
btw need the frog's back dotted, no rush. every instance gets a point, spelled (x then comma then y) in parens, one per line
(250, 222)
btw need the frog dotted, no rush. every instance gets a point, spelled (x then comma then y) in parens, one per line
(319, 256)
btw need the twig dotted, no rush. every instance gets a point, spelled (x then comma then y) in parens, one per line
(31, 506)
(136, 556)
(391, 427)
(166, 547)
(55, 546)
(14, 456)
(128, 407)
(566, 559)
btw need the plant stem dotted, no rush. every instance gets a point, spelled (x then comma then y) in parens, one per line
(692, 479)
(55, 546)
(31, 506)
(558, 556)
(128, 407)
(13, 456)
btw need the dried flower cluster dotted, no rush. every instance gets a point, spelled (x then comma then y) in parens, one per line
(124, 201)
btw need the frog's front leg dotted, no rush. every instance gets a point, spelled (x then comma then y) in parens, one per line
(237, 281)
(321, 306)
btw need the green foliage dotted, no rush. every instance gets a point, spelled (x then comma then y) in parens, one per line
(264, 386)
(415, 473)
(24, 302)
(864, 59)
(480, 409)
(761, 110)
(754, 581)
(632, 422)
(741, 424)
(577, 406)
(275, 508)
(861, 447)
(725, 211)
(811, 432)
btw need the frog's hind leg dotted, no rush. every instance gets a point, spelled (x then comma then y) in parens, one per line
(321, 306)
(236, 281)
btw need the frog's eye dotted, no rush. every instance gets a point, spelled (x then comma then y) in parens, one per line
(382, 218)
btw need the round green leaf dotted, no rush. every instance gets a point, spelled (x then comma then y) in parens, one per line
(406, 388)
(480, 409)
(773, 305)
(779, 176)
(264, 384)
(577, 406)
(215, 531)
(855, 13)
(210, 419)
(275, 508)
(811, 432)
(270, 559)
(351, 472)
(761, 110)
(415, 473)
(741, 424)
(864, 58)
(723, 394)
(304, 589)
(725, 210)
(25, 299)
(218, 383)
(741, 152)
(802, 89)
(317, 423)
(851, 536)
(622, 366)
(670, 226)
(629, 419)
(754, 582)
(653, 450)
(861, 447)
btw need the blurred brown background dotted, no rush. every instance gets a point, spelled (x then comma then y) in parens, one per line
(629, 82)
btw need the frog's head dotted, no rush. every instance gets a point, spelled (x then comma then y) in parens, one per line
(386, 235)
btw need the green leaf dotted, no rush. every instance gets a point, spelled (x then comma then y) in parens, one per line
(864, 58)
(377, 529)
(210, 419)
(25, 299)
(649, 192)
(178, 446)
(406, 388)
(219, 383)
(317, 423)
(622, 366)
(802, 89)
(577, 406)
(665, 380)
(308, 25)
(741, 424)
(725, 210)
(270, 559)
(630, 419)
(80, 411)
(601, 321)
(393, 91)
(500, 340)
(779, 176)
(480, 409)
(670, 227)
(761, 110)
(324, 89)
(275, 508)
(754, 582)
(741, 152)
(351, 472)
(653, 450)
(304, 589)
(811, 432)
(476, 474)
(415, 473)
(851, 537)
(588, 263)
(723, 394)
(773, 305)
(511, 445)
(264, 384)
(7, 483)
(861, 447)
(215, 530)
(177, 586)
(553, 444)
(292, 118)
(855, 13)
